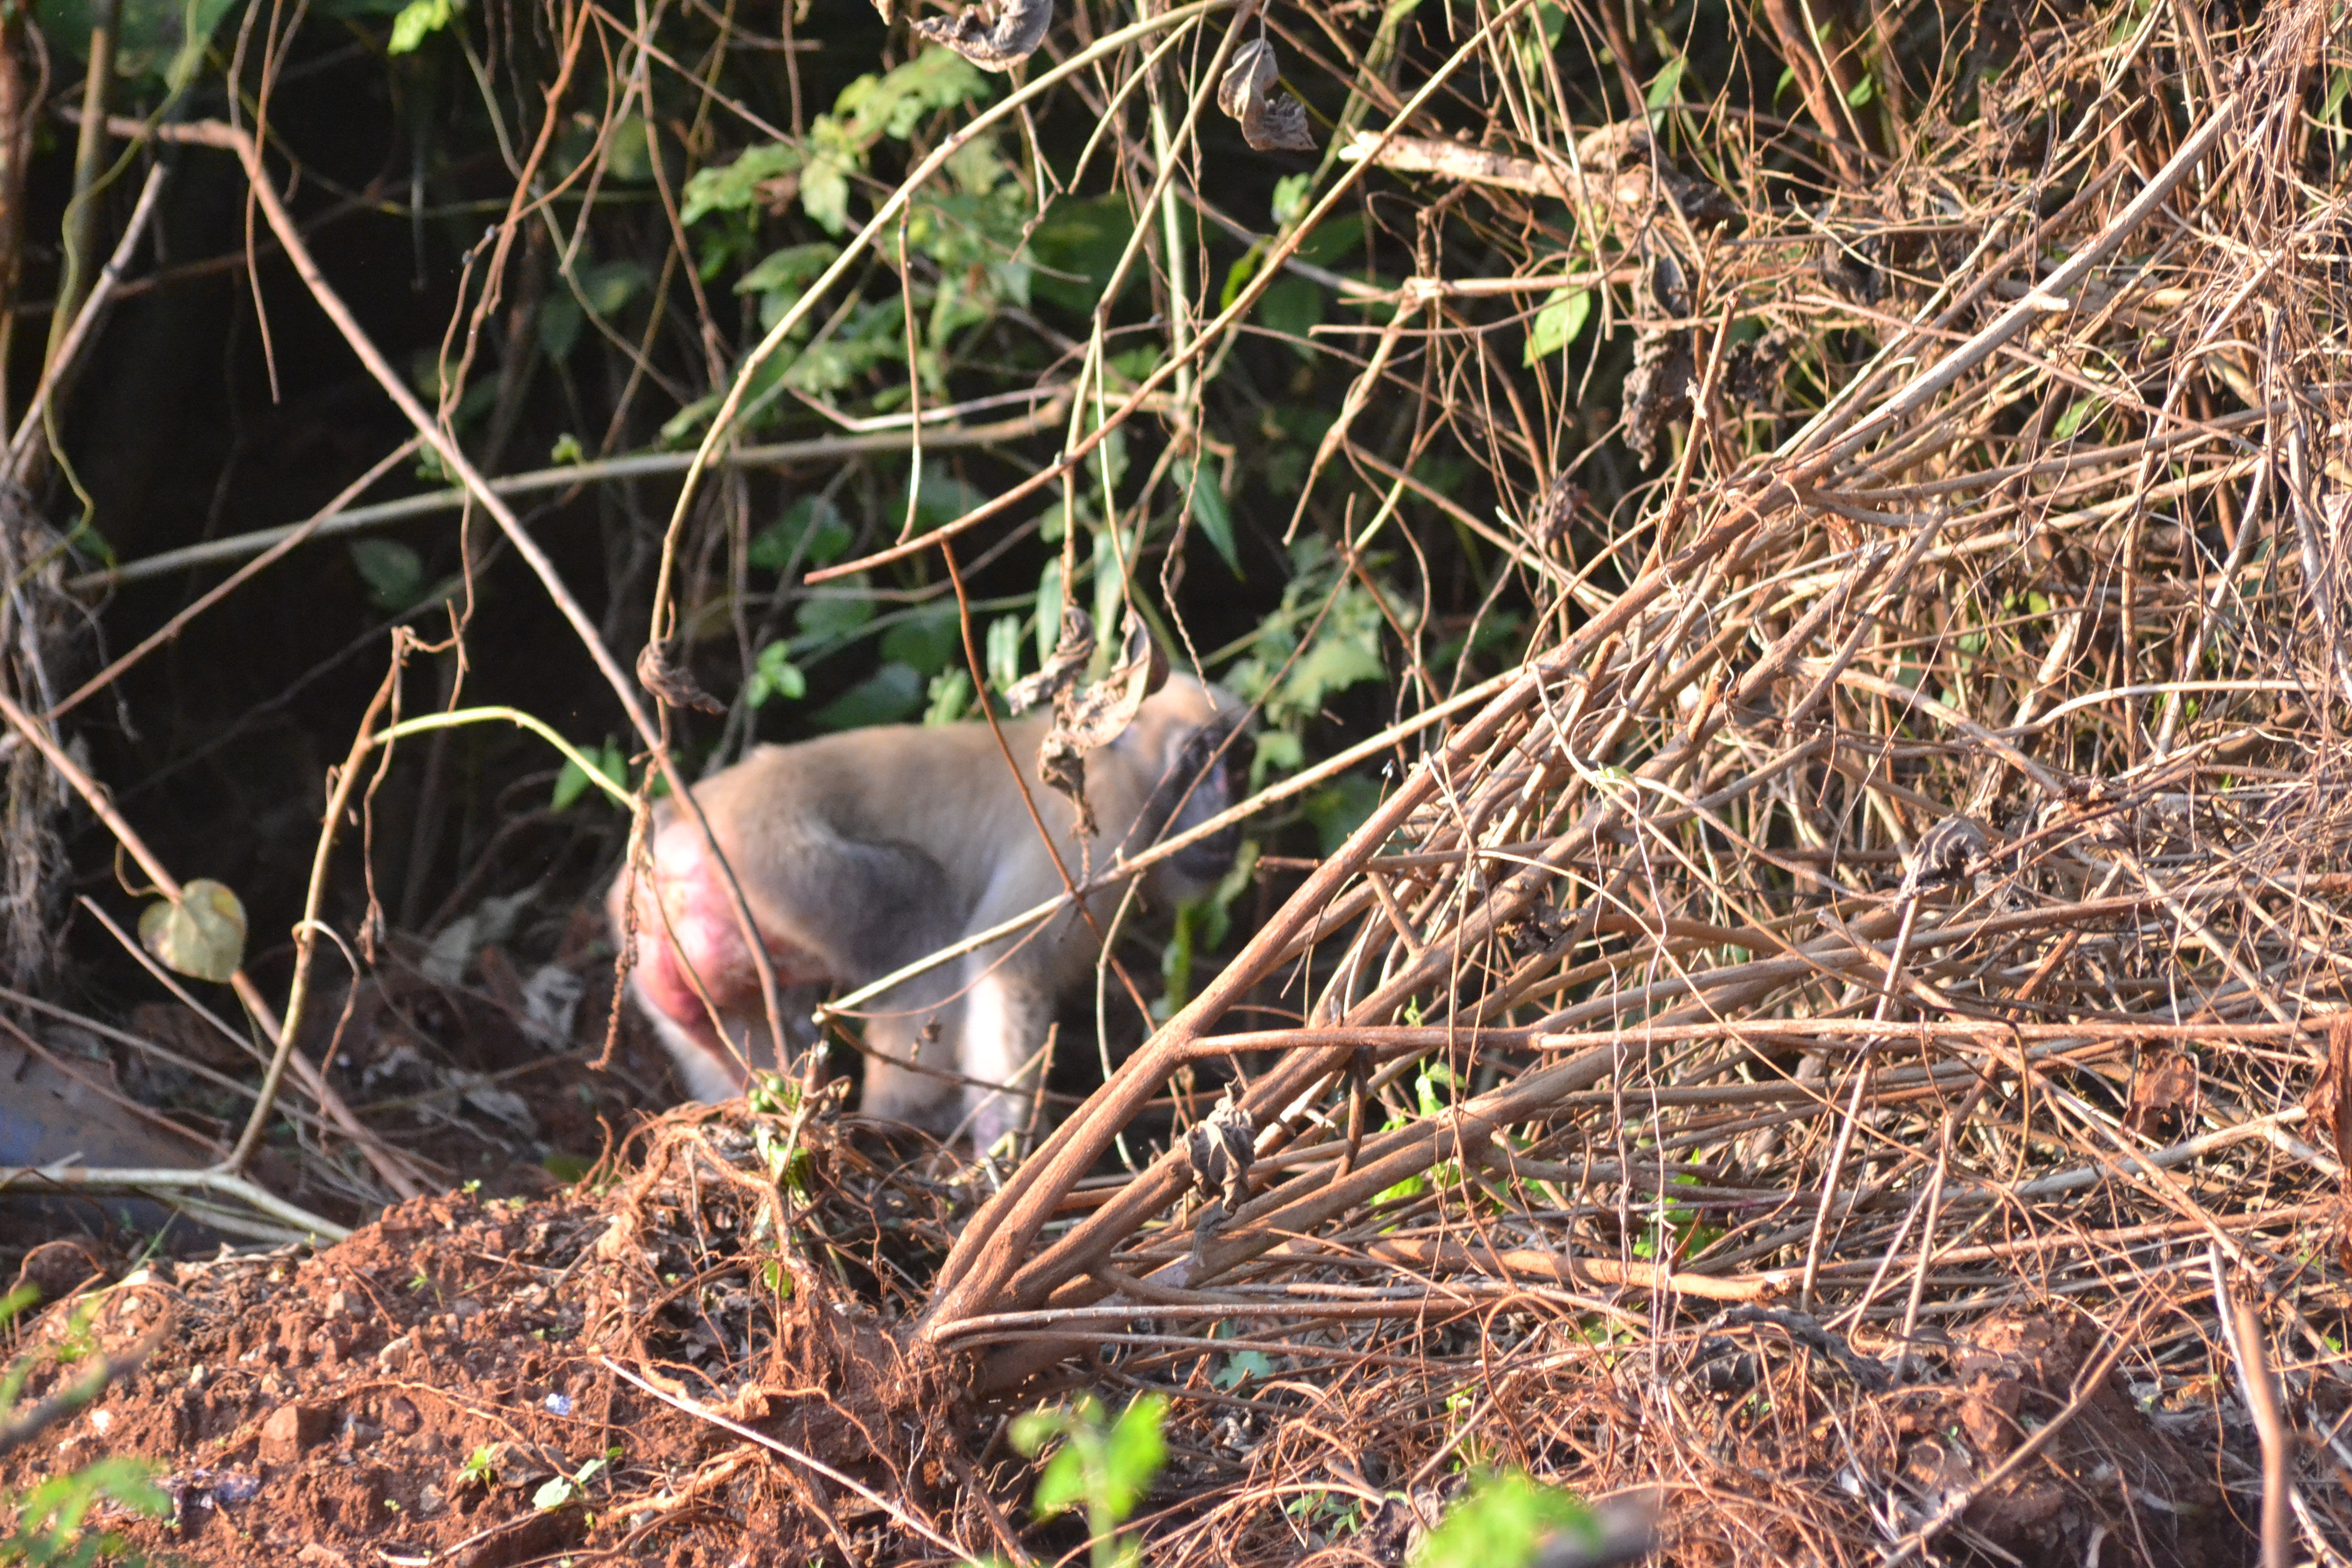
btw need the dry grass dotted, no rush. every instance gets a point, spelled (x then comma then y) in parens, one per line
(2013, 491)
(1834, 1029)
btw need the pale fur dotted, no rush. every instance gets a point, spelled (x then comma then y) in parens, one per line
(860, 852)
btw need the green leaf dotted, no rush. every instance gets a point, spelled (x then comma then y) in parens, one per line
(893, 104)
(1138, 362)
(1062, 1485)
(153, 39)
(1290, 198)
(951, 697)
(1342, 657)
(50, 1516)
(688, 419)
(813, 519)
(1862, 92)
(1238, 275)
(573, 781)
(891, 694)
(571, 784)
(629, 151)
(560, 321)
(1240, 1366)
(1075, 247)
(1051, 594)
(825, 193)
(1339, 808)
(1031, 1432)
(2338, 87)
(1333, 239)
(2077, 411)
(1280, 752)
(1003, 651)
(610, 285)
(202, 936)
(736, 185)
(418, 20)
(1410, 1187)
(795, 267)
(774, 675)
(1132, 1459)
(1557, 324)
(1292, 307)
(1501, 1523)
(929, 640)
(1430, 1088)
(943, 497)
(835, 616)
(553, 1494)
(393, 573)
(1666, 85)
(1207, 504)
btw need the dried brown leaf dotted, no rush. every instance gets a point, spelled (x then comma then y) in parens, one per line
(996, 36)
(1219, 1150)
(2326, 1103)
(1085, 720)
(2164, 1091)
(1063, 665)
(1271, 121)
(663, 672)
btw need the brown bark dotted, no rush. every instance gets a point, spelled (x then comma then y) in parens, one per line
(19, 100)
(1824, 95)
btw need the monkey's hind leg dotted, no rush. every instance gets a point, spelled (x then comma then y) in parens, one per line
(1006, 1019)
(910, 1062)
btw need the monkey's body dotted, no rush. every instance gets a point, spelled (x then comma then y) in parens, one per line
(860, 853)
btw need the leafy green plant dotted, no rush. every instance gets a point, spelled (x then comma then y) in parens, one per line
(558, 1490)
(202, 935)
(1325, 638)
(1201, 925)
(1675, 1229)
(972, 227)
(572, 781)
(1102, 1465)
(419, 20)
(482, 1467)
(1501, 1523)
(1433, 1093)
(51, 1517)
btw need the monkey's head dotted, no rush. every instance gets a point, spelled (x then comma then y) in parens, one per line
(1186, 738)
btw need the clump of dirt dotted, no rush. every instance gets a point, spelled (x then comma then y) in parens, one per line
(482, 1380)
(2107, 1470)
(702, 1358)
(1939, 1435)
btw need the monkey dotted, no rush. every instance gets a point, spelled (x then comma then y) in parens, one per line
(862, 852)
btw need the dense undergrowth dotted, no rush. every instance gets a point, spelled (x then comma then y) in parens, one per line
(1789, 563)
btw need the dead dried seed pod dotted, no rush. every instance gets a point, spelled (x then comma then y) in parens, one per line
(995, 35)
(1271, 121)
(1089, 720)
(1947, 853)
(1063, 666)
(1220, 1151)
(662, 671)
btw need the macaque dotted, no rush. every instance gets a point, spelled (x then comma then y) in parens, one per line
(862, 852)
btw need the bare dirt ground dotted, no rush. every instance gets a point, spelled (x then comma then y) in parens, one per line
(631, 1370)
